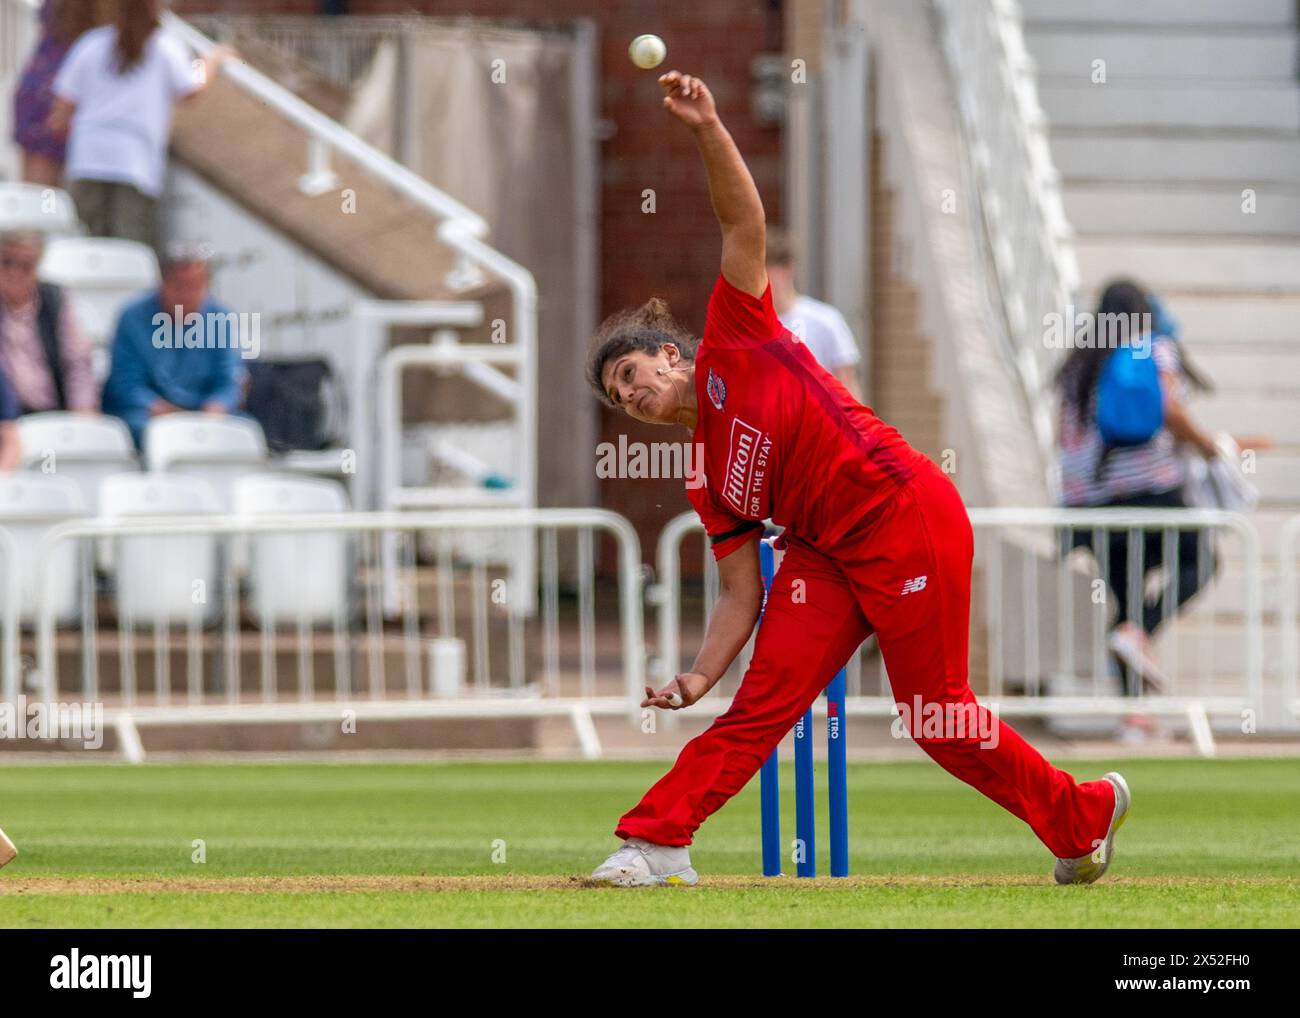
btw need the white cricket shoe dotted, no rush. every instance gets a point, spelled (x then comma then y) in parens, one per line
(1088, 868)
(7, 850)
(641, 863)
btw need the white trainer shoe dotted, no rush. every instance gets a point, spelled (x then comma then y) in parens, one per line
(7, 850)
(1088, 868)
(641, 863)
(1129, 644)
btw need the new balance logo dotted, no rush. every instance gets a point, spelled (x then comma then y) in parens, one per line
(914, 584)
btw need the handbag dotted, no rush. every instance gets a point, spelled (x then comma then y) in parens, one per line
(1217, 483)
(298, 403)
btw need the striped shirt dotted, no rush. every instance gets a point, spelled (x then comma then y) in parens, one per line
(1157, 466)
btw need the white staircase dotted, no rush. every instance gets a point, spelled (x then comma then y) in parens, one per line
(1198, 116)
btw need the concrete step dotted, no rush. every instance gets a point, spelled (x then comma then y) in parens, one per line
(1278, 479)
(1223, 601)
(1198, 106)
(1082, 156)
(1163, 13)
(1211, 266)
(1183, 210)
(1233, 371)
(1258, 54)
(1196, 655)
(1235, 323)
(1268, 522)
(1255, 414)
(1210, 611)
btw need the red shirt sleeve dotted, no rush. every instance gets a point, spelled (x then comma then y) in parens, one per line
(737, 319)
(726, 532)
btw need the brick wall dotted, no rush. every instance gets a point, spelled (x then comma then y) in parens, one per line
(900, 354)
(673, 253)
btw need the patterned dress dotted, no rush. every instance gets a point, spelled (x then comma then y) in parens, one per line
(34, 97)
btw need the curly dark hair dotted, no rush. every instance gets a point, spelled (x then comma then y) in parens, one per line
(646, 328)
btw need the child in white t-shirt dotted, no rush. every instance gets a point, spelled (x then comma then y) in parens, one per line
(114, 96)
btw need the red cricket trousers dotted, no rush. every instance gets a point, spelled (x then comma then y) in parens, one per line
(908, 578)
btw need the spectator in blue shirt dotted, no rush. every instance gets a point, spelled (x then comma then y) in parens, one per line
(10, 411)
(176, 348)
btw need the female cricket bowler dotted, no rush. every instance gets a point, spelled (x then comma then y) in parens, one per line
(876, 538)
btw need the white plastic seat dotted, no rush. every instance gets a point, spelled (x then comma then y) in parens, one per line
(30, 504)
(85, 448)
(218, 449)
(100, 275)
(295, 577)
(171, 578)
(35, 207)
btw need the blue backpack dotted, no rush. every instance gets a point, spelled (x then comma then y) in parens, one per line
(1130, 402)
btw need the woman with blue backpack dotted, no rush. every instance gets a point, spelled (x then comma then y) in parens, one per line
(1124, 434)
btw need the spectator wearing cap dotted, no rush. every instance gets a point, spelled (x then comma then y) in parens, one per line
(43, 351)
(174, 348)
(114, 97)
(816, 324)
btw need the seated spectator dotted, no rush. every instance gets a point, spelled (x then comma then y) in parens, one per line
(114, 97)
(43, 351)
(165, 358)
(818, 325)
(10, 448)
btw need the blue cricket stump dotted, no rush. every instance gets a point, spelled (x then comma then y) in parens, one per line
(804, 798)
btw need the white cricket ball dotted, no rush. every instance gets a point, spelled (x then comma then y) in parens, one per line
(647, 51)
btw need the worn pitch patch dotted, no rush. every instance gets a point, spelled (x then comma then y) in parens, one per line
(32, 886)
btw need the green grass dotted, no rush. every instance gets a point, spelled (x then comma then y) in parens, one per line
(1209, 843)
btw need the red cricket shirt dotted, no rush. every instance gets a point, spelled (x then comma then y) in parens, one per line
(780, 436)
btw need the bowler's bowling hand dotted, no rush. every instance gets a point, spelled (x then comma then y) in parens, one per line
(688, 99)
(683, 691)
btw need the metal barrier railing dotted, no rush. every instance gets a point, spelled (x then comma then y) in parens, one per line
(477, 364)
(176, 635)
(1288, 548)
(1208, 652)
(1044, 616)
(9, 618)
